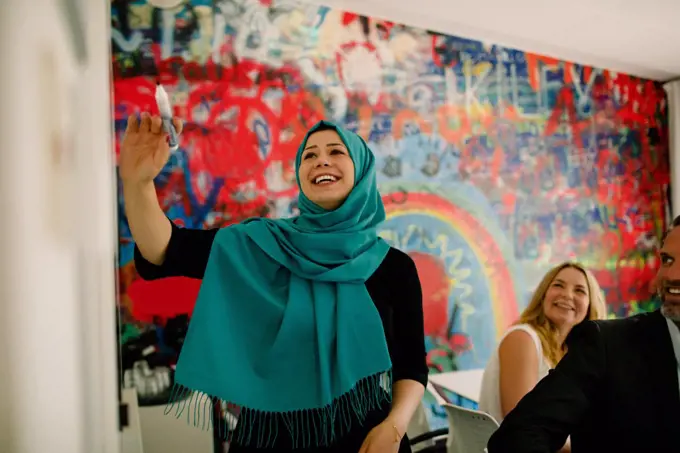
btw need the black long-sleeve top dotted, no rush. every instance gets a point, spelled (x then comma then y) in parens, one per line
(394, 288)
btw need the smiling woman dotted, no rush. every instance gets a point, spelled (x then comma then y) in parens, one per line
(566, 296)
(312, 325)
(326, 174)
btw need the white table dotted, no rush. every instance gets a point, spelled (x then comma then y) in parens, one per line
(467, 384)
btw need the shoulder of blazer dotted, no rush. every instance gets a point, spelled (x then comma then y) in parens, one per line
(619, 329)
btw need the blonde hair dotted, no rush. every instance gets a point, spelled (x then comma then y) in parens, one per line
(533, 314)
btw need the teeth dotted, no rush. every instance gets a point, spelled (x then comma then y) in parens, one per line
(323, 178)
(673, 290)
(568, 307)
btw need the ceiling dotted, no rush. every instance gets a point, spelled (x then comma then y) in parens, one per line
(632, 36)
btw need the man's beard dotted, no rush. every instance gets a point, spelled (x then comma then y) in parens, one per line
(670, 311)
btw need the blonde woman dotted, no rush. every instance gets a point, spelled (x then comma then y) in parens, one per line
(567, 295)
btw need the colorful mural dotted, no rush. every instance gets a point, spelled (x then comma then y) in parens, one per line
(494, 163)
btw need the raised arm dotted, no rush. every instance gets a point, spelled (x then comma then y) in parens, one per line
(149, 226)
(548, 414)
(143, 154)
(186, 255)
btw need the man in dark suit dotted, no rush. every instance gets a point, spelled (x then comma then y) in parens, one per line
(617, 388)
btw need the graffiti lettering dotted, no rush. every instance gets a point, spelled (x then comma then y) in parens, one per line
(503, 163)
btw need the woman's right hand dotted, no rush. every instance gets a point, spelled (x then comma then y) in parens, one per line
(144, 150)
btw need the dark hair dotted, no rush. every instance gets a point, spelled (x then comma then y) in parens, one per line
(324, 127)
(675, 223)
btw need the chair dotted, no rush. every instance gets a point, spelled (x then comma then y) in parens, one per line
(469, 430)
(431, 442)
(423, 440)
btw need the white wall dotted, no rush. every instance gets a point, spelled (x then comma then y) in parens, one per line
(57, 234)
(673, 93)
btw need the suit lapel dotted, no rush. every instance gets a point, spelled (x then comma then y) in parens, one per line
(662, 382)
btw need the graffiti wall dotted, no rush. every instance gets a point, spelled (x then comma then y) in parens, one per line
(494, 163)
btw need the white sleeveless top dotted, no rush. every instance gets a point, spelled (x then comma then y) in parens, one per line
(490, 396)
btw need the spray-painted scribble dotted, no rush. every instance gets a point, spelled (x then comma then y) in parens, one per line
(494, 163)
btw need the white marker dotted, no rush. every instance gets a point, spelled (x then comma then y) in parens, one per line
(166, 115)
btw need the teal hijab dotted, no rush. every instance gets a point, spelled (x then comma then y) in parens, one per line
(284, 327)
